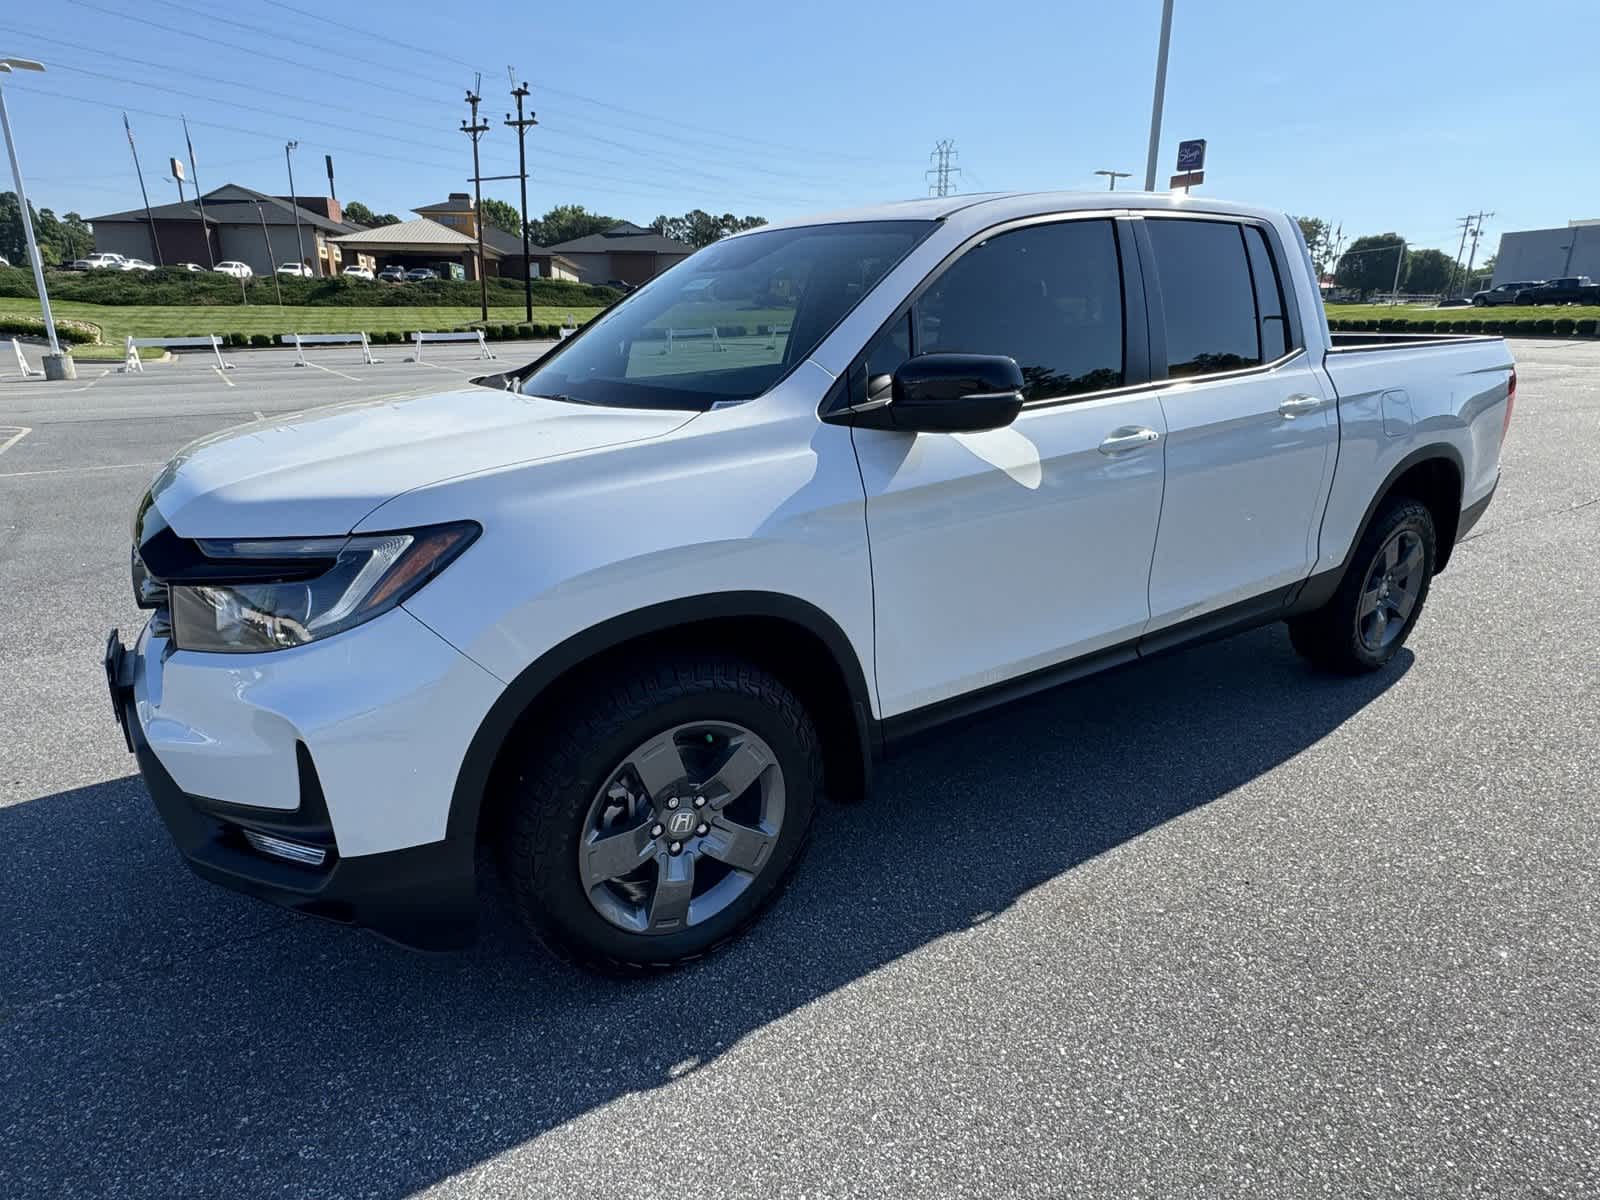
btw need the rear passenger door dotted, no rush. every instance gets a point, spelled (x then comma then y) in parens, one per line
(1001, 553)
(1251, 426)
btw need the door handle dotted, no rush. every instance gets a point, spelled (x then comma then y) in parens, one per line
(1128, 437)
(1299, 406)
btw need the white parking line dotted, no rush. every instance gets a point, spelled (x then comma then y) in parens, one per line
(69, 470)
(18, 432)
(93, 381)
(331, 371)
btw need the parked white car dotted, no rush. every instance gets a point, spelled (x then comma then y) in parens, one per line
(238, 270)
(299, 270)
(137, 264)
(358, 272)
(101, 261)
(622, 619)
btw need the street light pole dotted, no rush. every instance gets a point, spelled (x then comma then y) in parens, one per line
(267, 238)
(56, 364)
(299, 244)
(1160, 97)
(1114, 176)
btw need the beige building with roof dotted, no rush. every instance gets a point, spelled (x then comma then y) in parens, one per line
(444, 237)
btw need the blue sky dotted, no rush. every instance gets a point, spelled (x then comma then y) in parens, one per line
(1397, 115)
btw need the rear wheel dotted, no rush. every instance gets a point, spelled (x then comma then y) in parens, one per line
(663, 814)
(1381, 596)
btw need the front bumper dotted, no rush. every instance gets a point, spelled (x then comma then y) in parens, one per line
(420, 896)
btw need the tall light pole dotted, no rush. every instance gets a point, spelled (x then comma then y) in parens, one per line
(299, 245)
(1114, 176)
(56, 364)
(1160, 97)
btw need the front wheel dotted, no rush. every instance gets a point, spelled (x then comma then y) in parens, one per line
(1380, 598)
(1479, 302)
(662, 814)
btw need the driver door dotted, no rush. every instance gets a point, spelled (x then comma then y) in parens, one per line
(1007, 552)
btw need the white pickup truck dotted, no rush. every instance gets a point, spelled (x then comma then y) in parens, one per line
(621, 616)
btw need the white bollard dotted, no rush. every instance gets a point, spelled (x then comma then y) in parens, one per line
(130, 360)
(366, 351)
(22, 363)
(216, 348)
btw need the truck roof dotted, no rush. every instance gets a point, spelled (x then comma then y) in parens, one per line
(1014, 204)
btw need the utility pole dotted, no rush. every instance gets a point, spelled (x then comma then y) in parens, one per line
(294, 202)
(1160, 98)
(475, 130)
(139, 171)
(521, 125)
(1114, 176)
(1477, 232)
(1465, 224)
(205, 232)
(941, 171)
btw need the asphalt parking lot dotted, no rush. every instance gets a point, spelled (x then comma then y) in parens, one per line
(1210, 925)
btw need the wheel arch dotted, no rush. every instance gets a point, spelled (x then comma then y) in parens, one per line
(794, 639)
(1433, 475)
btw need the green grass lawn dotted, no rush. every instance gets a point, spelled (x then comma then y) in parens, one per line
(182, 320)
(1421, 312)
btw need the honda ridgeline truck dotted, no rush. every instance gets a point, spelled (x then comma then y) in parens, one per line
(620, 617)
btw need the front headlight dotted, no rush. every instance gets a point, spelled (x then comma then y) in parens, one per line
(341, 582)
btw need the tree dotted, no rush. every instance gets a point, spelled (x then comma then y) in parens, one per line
(360, 214)
(699, 228)
(503, 216)
(565, 222)
(1427, 271)
(61, 239)
(1319, 240)
(1368, 266)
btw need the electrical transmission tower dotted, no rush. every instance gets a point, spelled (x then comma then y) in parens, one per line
(940, 175)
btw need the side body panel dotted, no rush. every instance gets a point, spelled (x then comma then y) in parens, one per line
(995, 554)
(1454, 396)
(756, 497)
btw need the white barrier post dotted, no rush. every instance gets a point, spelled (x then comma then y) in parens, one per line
(130, 361)
(216, 348)
(417, 339)
(483, 347)
(366, 351)
(22, 363)
(299, 351)
(772, 335)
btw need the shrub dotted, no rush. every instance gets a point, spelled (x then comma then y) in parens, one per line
(507, 332)
(78, 333)
(1494, 326)
(1425, 326)
(1474, 326)
(525, 331)
(1545, 325)
(1565, 326)
(1525, 325)
(235, 339)
(1588, 327)
(261, 339)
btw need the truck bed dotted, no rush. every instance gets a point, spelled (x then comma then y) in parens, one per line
(1340, 343)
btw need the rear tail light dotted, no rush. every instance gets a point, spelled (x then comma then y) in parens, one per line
(1511, 403)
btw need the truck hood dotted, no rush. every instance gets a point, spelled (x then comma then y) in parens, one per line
(319, 473)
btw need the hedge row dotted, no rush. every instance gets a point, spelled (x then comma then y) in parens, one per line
(523, 332)
(79, 333)
(169, 285)
(1511, 327)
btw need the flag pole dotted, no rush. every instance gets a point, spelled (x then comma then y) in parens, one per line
(138, 170)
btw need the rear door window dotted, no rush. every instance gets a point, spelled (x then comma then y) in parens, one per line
(1207, 297)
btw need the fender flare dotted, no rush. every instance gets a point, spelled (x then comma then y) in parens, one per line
(472, 780)
(1319, 588)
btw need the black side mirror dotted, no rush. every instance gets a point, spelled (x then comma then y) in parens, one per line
(955, 393)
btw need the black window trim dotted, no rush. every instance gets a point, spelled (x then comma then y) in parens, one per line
(1294, 328)
(1137, 357)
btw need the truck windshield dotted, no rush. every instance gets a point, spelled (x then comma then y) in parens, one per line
(728, 322)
